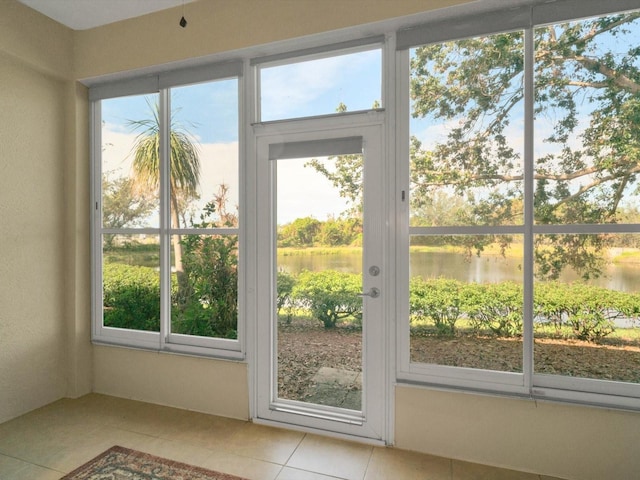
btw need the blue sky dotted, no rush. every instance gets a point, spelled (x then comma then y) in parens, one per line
(317, 87)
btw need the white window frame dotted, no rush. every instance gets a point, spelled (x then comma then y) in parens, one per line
(527, 383)
(164, 340)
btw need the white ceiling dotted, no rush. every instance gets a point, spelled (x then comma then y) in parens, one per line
(83, 14)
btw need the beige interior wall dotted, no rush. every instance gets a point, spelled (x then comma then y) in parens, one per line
(216, 26)
(35, 53)
(567, 441)
(205, 385)
(77, 268)
(36, 40)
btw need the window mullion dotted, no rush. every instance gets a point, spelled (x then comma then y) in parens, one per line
(165, 216)
(403, 173)
(529, 92)
(97, 303)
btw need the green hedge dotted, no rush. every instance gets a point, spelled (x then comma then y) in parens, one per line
(589, 312)
(330, 296)
(132, 301)
(131, 296)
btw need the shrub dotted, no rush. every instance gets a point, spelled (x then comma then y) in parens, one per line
(285, 284)
(550, 303)
(437, 300)
(329, 295)
(131, 296)
(207, 304)
(589, 311)
(496, 307)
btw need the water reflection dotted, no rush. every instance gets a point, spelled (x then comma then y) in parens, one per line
(483, 269)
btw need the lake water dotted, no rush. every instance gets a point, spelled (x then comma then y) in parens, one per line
(483, 269)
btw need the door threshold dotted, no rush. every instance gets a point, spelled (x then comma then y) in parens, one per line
(332, 413)
(318, 431)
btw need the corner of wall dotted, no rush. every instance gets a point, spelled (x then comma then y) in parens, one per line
(77, 243)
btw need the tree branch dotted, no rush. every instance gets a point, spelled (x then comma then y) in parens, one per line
(576, 83)
(594, 32)
(619, 79)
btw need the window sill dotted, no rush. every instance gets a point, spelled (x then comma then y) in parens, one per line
(175, 349)
(543, 394)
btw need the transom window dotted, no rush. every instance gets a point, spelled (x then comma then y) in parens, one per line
(320, 82)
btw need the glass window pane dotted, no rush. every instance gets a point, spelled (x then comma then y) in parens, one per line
(205, 292)
(587, 124)
(130, 159)
(466, 309)
(204, 151)
(466, 129)
(131, 282)
(204, 178)
(587, 324)
(322, 86)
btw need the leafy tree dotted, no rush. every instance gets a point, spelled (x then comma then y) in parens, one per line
(580, 72)
(122, 206)
(302, 232)
(341, 232)
(184, 167)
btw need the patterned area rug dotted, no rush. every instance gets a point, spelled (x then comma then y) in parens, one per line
(123, 464)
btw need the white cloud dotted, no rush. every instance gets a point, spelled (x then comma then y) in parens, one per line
(117, 151)
(302, 191)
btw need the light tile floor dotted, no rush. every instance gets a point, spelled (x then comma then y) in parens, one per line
(53, 440)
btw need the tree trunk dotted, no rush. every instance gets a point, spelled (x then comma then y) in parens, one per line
(177, 246)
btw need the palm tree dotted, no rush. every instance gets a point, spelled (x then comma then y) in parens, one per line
(184, 167)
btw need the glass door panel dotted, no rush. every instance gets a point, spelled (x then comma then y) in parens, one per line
(318, 264)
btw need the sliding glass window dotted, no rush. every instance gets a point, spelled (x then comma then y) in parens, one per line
(168, 217)
(522, 211)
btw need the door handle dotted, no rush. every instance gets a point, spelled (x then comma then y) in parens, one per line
(373, 293)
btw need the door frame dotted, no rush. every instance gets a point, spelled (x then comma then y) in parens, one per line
(372, 426)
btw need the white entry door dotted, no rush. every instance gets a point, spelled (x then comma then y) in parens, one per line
(321, 299)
